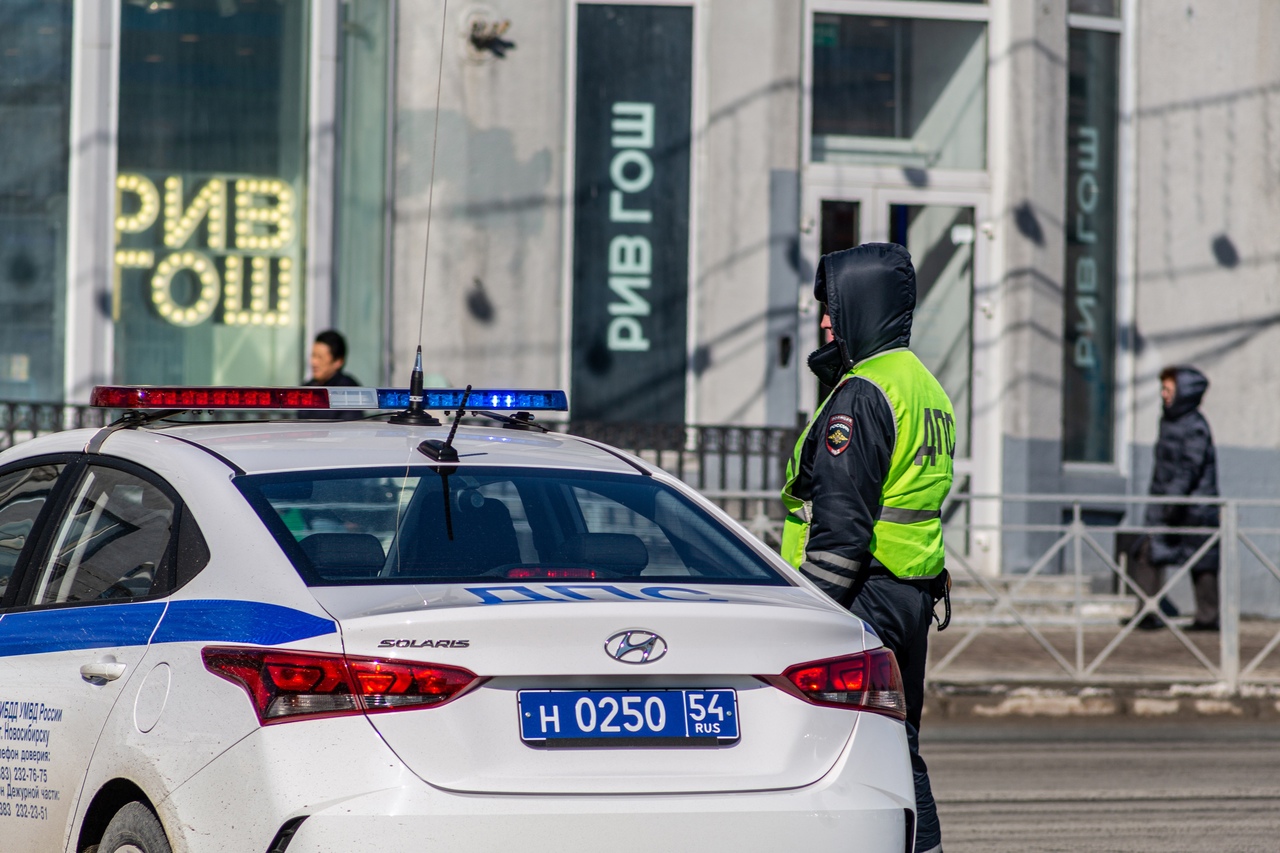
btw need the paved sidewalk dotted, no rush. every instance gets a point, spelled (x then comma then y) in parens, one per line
(1005, 673)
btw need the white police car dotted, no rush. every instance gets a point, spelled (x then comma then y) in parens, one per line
(318, 635)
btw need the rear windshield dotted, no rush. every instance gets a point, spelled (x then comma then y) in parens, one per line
(474, 524)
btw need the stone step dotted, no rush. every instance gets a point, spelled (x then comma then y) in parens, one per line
(1051, 601)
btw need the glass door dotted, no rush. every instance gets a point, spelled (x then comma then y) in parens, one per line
(953, 327)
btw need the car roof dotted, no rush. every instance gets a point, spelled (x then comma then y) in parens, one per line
(300, 445)
(296, 445)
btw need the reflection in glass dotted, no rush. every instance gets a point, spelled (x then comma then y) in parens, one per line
(1089, 333)
(35, 97)
(899, 91)
(487, 524)
(1101, 8)
(22, 495)
(940, 239)
(112, 544)
(210, 194)
(840, 226)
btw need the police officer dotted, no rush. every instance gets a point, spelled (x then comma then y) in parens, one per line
(865, 487)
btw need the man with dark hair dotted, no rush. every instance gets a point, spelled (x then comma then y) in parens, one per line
(1185, 464)
(865, 487)
(328, 356)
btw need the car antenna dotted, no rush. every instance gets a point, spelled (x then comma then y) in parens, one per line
(443, 451)
(415, 415)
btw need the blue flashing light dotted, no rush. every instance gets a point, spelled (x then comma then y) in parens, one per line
(499, 399)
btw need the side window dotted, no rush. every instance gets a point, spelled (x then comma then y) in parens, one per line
(22, 495)
(113, 543)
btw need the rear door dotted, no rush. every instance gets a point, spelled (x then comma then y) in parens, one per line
(78, 617)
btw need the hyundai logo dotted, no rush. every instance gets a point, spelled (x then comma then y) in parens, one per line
(635, 646)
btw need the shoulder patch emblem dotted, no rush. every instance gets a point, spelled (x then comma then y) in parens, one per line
(839, 433)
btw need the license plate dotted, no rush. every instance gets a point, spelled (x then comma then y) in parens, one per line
(628, 717)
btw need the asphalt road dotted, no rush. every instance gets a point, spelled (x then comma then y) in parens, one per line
(1052, 786)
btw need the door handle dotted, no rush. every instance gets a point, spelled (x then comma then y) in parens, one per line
(102, 671)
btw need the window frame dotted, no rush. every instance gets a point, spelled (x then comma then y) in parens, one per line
(53, 515)
(36, 545)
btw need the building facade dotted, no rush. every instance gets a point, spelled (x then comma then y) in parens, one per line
(628, 199)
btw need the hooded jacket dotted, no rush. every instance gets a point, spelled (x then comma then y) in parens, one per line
(1185, 464)
(870, 294)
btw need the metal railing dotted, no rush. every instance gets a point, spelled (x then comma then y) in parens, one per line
(1043, 591)
(21, 421)
(726, 460)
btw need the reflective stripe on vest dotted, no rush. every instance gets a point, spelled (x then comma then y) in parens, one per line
(907, 537)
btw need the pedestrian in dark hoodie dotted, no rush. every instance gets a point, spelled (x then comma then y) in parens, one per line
(1185, 464)
(868, 477)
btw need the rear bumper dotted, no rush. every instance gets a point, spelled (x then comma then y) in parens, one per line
(741, 823)
(357, 797)
(860, 805)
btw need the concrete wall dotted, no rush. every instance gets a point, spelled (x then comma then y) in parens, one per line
(494, 289)
(747, 276)
(1208, 125)
(493, 283)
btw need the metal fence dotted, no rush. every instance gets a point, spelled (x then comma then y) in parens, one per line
(1043, 591)
(738, 464)
(21, 421)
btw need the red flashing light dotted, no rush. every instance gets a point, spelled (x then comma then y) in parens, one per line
(160, 397)
(526, 573)
(867, 681)
(285, 685)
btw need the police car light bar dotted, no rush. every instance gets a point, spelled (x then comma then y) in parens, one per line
(319, 398)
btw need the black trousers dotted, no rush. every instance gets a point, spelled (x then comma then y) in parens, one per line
(1150, 577)
(901, 612)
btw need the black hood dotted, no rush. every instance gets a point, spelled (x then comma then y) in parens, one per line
(1191, 387)
(870, 293)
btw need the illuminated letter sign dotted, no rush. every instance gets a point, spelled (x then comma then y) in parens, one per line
(211, 247)
(631, 212)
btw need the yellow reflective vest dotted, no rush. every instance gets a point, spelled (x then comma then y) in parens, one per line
(907, 537)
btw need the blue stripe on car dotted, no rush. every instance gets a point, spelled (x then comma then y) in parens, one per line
(69, 628)
(221, 621)
(210, 620)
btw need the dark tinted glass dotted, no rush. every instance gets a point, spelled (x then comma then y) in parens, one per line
(487, 524)
(905, 91)
(1102, 8)
(35, 99)
(1089, 332)
(113, 544)
(22, 495)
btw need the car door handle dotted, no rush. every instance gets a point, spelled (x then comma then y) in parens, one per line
(102, 671)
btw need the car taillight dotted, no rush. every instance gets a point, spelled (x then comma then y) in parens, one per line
(525, 573)
(286, 685)
(867, 681)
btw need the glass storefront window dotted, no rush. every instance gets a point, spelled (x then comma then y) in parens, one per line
(360, 220)
(1089, 351)
(940, 239)
(211, 192)
(1101, 8)
(899, 91)
(35, 100)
